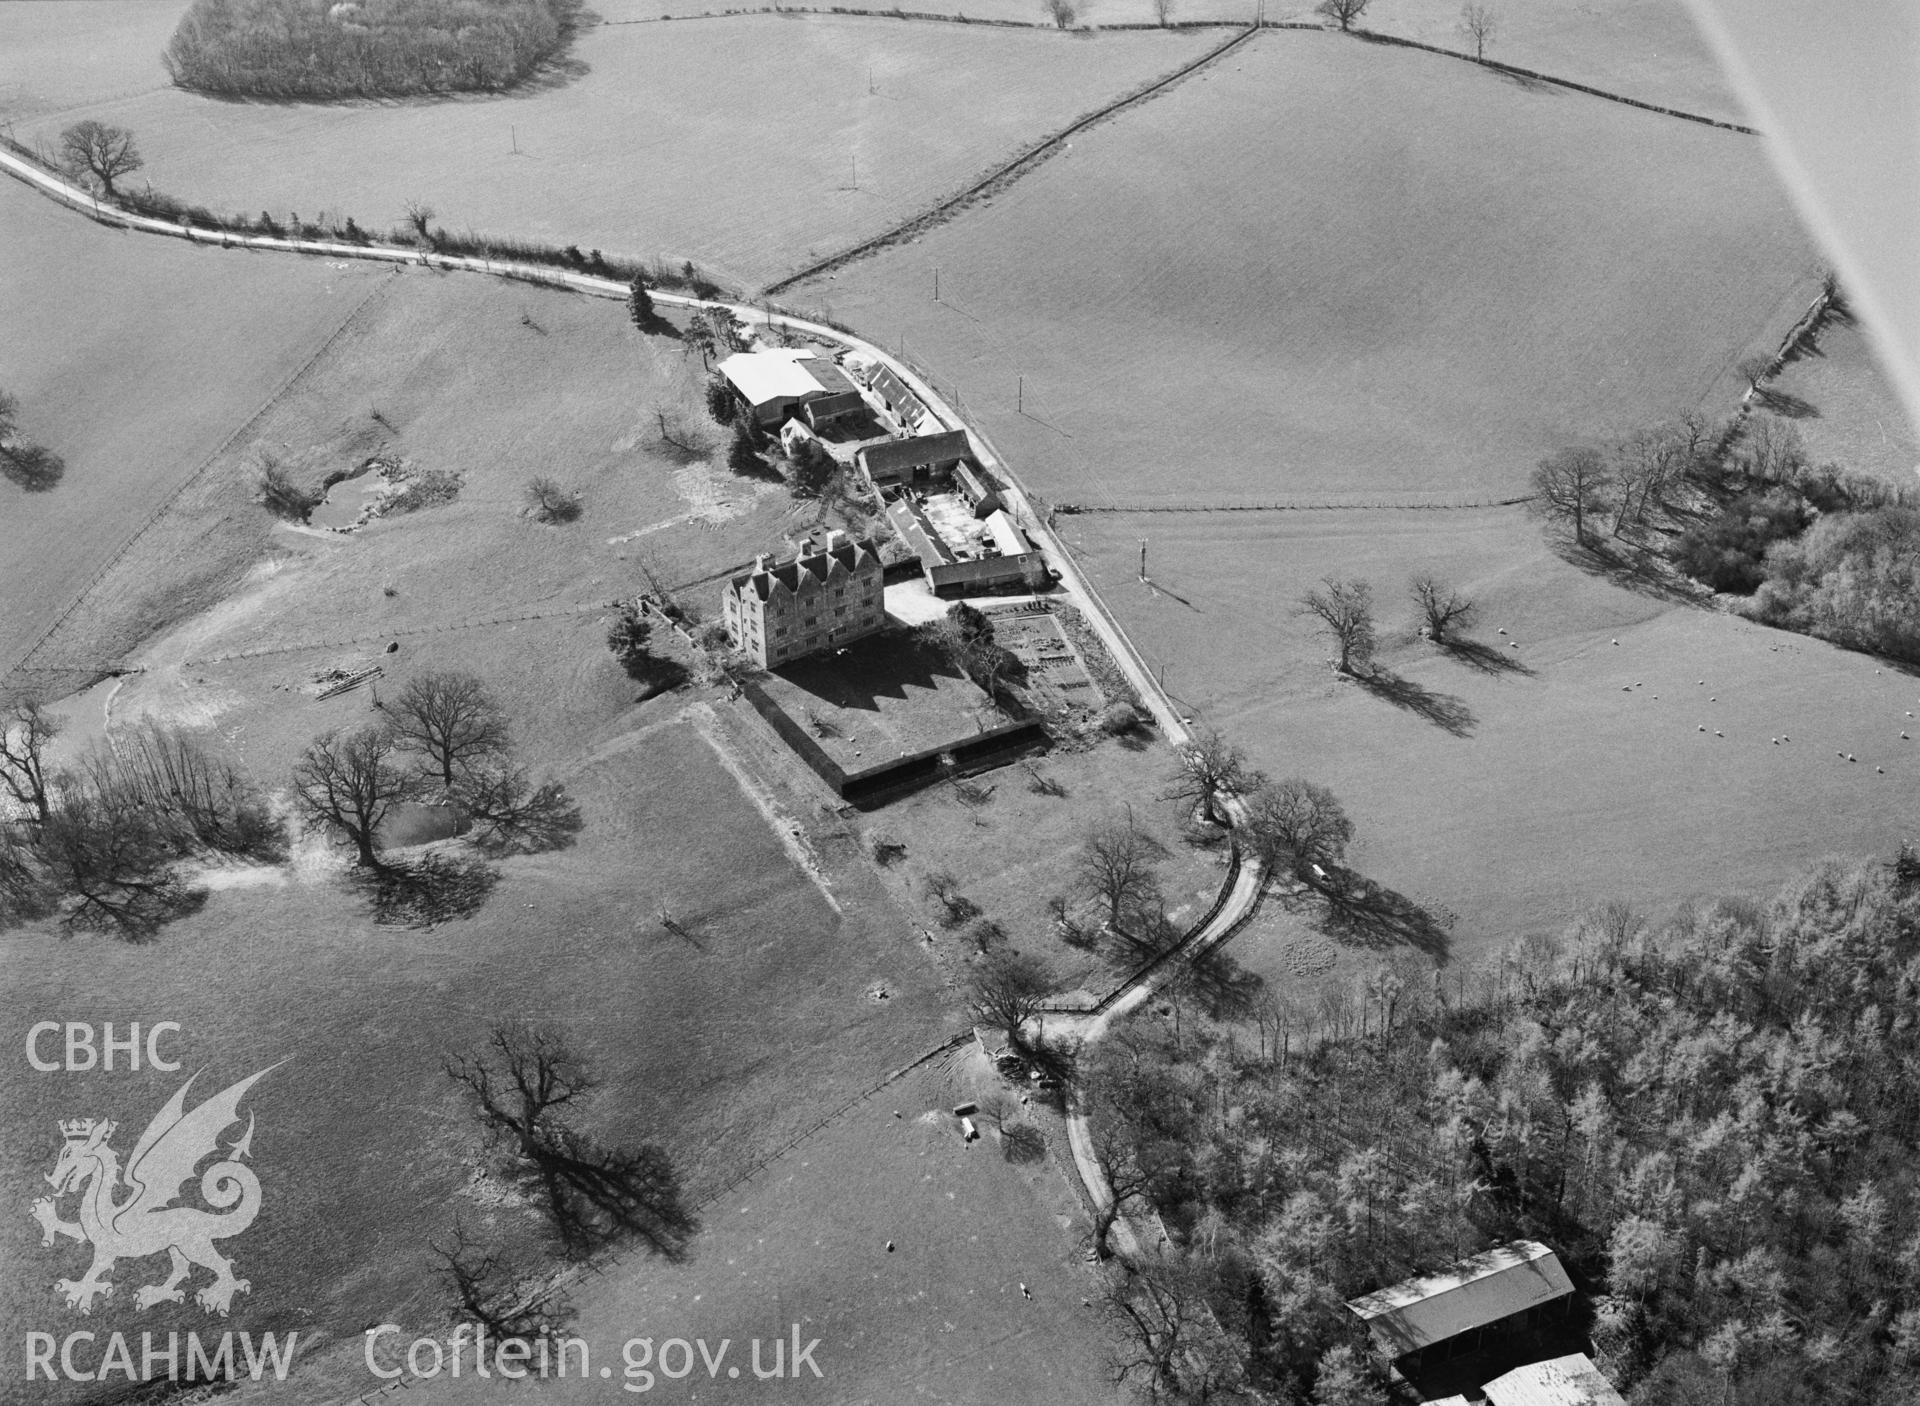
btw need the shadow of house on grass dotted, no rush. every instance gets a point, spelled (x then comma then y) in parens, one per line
(891, 683)
(880, 667)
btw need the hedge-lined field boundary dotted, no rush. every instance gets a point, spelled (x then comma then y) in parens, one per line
(1007, 171)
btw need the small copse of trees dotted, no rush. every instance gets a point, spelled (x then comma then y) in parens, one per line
(102, 844)
(443, 740)
(363, 48)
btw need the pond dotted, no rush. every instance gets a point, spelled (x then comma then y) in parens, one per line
(350, 500)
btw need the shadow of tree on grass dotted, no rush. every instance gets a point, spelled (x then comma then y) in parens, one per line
(1443, 710)
(1359, 911)
(32, 467)
(424, 892)
(1484, 658)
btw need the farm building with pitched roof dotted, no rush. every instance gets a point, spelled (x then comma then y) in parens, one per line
(778, 382)
(1503, 1291)
(915, 459)
(821, 598)
(1572, 1380)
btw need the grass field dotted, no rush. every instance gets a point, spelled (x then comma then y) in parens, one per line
(1644, 49)
(1851, 416)
(495, 382)
(1562, 785)
(800, 980)
(363, 1145)
(131, 424)
(1415, 280)
(56, 56)
(1017, 850)
(806, 1242)
(749, 145)
(1415, 277)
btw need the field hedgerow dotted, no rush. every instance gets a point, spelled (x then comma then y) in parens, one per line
(363, 48)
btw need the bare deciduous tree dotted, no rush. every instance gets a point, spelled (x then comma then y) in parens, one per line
(1646, 465)
(524, 1085)
(107, 855)
(1061, 12)
(420, 215)
(1754, 370)
(451, 721)
(1299, 825)
(348, 782)
(1169, 1348)
(102, 151)
(25, 730)
(1441, 606)
(1572, 486)
(551, 503)
(1116, 865)
(1008, 991)
(1344, 12)
(1162, 12)
(1344, 609)
(1478, 24)
(486, 1289)
(1208, 768)
(26, 889)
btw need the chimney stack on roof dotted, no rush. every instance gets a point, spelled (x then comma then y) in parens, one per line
(760, 562)
(835, 538)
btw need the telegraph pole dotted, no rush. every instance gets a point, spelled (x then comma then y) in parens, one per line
(1143, 558)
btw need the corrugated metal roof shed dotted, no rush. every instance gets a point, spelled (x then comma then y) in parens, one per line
(1495, 1284)
(1559, 1381)
(782, 373)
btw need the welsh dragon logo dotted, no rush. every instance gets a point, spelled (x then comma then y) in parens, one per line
(144, 1222)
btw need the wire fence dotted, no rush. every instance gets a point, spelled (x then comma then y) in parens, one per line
(26, 661)
(353, 641)
(1080, 509)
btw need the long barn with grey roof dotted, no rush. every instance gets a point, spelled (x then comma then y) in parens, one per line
(1509, 1289)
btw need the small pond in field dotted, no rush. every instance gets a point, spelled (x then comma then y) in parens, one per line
(347, 502)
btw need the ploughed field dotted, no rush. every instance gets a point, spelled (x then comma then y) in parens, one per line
(750, 145)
